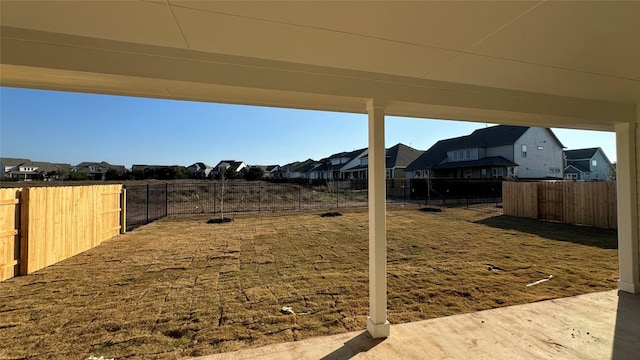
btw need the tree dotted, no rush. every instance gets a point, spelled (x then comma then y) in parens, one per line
(115, 174)
(226, 173)
(75, 176)
(254, 173)
(613, 175)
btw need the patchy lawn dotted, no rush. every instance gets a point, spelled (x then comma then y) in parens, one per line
(181, 287)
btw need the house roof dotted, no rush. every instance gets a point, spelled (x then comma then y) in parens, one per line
(576, 167)
(579, 154)
(401, 155)
(233, 164)
(103, 164)
(199, 166)
(298, 166)
(14, 161)
(46, 167)
(482, 138)
(488, 161)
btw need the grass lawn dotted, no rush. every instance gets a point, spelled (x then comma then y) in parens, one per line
(180, 287)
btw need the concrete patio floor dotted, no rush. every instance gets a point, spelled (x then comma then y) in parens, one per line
(604, 325)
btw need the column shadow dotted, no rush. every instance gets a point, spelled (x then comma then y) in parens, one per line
(359, 344)
(626, 338)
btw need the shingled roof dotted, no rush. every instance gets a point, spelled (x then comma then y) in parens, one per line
(401, 155)
(482, 138)
(580, 154)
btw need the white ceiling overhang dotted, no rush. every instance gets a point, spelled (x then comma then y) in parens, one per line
(563, 64)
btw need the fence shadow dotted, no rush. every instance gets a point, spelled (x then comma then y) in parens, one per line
(359, 344)
(583, 235)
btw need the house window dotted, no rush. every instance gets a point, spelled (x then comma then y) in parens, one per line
(594, 162)
(524, 150)
(468, 153)
(483, 172)
(540, 147)
(461, 155)
(455, 155)
(571, 176)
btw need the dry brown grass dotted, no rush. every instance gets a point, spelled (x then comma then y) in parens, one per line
(180, 287)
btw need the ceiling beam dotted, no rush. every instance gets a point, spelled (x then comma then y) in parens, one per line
(73, 63)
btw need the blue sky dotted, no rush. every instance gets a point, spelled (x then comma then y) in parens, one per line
(72, 127)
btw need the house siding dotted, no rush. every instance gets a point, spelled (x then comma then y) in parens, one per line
(506, 151)
(545, 163)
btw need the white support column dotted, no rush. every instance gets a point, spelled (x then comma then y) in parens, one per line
(377, 323)
(627, 198)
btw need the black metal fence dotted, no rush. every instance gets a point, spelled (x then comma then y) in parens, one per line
(147, 203)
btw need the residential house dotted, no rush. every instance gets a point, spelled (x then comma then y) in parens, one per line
(270, 171)
(236, 166)
(19, 168)
(398, 157)
(25, 169)
(200, 170)
(587, 164)
(334, 167)
(52, 171)
(96, 170)
(500, 151)
(295, 170)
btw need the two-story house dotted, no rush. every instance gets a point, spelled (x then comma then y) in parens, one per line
(200, 170)
(587, 164)
(397, 158)
(295, 170)
(25, 169)
(500, 151)
(96, 170)
(233, 165)
(334, 166)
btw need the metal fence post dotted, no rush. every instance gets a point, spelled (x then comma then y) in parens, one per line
(166, 199)
(337, 196)
(147, 203)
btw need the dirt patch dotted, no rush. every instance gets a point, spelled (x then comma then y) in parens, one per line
(430, 209)
(331, 214)
(180, 287)
(219, 221)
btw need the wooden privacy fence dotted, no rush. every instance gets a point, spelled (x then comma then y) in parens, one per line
(9, 232)
(41, 226)
(578, 203)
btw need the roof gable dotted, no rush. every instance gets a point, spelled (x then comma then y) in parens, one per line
(579, 154)
(401, 155)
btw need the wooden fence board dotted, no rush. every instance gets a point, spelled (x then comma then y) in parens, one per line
(64, 221)
(520, 199)
(9, 232)
(579, 203)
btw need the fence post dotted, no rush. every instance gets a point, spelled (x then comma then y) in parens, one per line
(336, 187)
(123, 211)
(166, 199)
(147, 203)
(404, 193)
(299, 197)
(24, 231)
(259, 196)
(214, 198)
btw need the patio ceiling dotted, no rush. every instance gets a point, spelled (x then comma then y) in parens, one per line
(571, 64)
